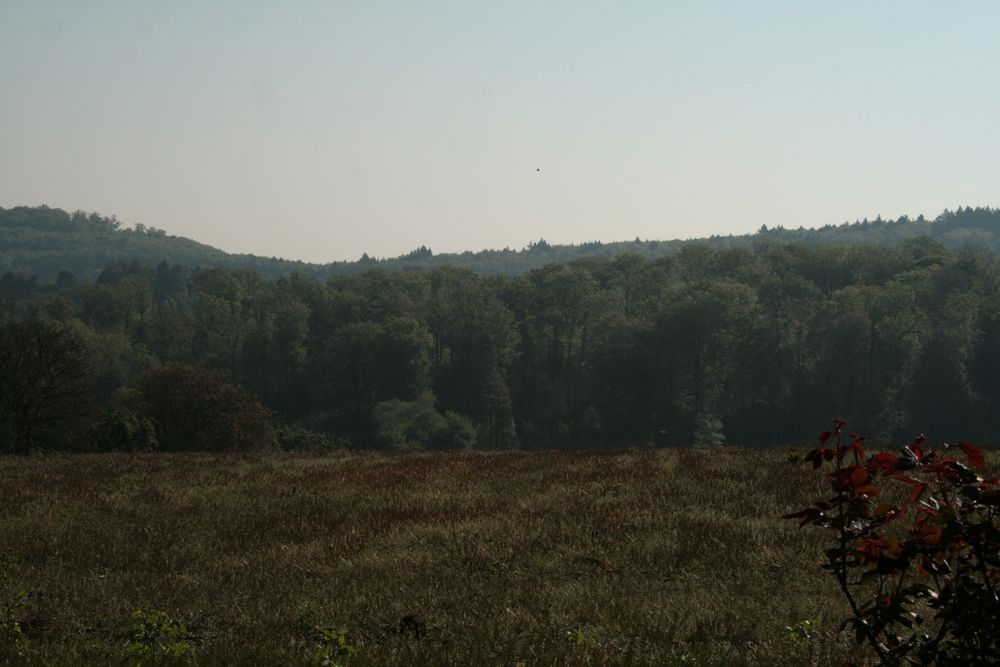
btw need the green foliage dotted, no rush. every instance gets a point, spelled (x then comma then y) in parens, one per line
(45, 241)
(804, 630)
(458, 433)
(121, 430)
(577, 637)
(708, 343)
(334, 648)
(365, 363)
(707, 431)
(407, 424)
(915, 548)
(120, 305)
(301, 439)
(154, 635)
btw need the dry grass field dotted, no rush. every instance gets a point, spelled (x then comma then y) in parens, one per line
(669, 557)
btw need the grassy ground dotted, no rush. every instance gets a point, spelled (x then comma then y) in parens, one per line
(583, 558)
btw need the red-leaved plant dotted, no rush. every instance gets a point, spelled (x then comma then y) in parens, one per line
(917, 548)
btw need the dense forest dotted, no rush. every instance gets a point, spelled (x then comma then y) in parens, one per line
(43, 241)
(747, 345)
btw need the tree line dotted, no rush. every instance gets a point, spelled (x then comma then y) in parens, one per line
(43, 241)
(744, 346)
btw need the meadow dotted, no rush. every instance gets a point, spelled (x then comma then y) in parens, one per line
(644, 557)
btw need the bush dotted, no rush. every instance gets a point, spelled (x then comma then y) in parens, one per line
(300, 438)
(458, 433)
(916, 548)
(707, 431)
(403, 424)
(196, 409)
(155, 635)
(121, 430)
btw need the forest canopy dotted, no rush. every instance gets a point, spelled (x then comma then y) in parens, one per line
(744, 345)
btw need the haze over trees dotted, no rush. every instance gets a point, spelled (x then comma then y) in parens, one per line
(43, 241)
(750, 344)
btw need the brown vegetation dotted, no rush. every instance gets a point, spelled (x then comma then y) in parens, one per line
(193, 408)
(627, 557)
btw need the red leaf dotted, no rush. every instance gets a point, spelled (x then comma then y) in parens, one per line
(913, 450)
(924, 514)
(930, 534)
(871, 548)
(859, 476)
(975, 456)
(894, 548)
(856, 480)
(918, 486)
(824, 436)
(816, 456)
(885, 461)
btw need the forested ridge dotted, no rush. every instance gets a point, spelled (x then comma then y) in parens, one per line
(43, 241)
(747, 345)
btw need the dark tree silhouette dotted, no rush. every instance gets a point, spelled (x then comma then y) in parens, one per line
(196, 409)
(45, 386)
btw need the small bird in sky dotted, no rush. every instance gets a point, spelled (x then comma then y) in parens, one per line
(537, 169)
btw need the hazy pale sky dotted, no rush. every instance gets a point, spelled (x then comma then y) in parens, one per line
(321, 130)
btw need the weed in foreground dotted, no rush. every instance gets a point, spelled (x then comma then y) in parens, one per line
(154, 634)
(915, 548)
(13, 604)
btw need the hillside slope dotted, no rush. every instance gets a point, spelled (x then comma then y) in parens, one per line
(44, 241)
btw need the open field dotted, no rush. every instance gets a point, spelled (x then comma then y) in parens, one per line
(628, 557)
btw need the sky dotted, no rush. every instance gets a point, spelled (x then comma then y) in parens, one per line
(321, 130)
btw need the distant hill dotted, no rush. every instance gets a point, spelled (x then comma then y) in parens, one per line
(44, 241)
